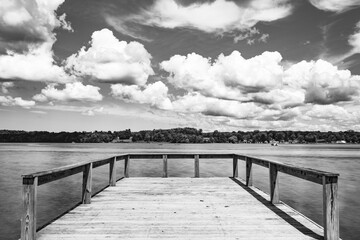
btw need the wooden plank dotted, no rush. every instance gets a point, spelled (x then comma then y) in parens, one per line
(165, 166)
(249, 172)
(197, 166)
(235, 167)
(274, 183)
(56, 175)
(126, 166)
(331, 208)
(87, 184)
(100, 163)
(28, 221)
(112, 172)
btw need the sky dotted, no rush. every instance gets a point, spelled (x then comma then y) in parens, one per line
(216, 65)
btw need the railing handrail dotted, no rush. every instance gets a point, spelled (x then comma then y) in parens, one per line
(327, 179)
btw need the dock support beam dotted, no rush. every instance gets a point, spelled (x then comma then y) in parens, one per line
(197, 167)
(112, 172)
(330, 208)
(28, 221)
(249, 172)
(87, 184)
(274, 183)
(165, 167)
(126, 166)
(235, 167)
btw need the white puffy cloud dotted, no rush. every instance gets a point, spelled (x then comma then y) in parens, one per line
(109, 60)
(18, 101)
(218, 16)
(322, 82)
(155, 94)
(331, 112)
(354, 40)
(5, 86)
(26, 30)
(72, 92)
(197, 103)
(36, 65)
(229, 77)
(335, 5)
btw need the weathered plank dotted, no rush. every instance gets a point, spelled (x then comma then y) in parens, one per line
(87, 184)
(126, 166)
(112, 172)
(274, 183)
(197, 166)
(181, 208)
(331, 208)
(165, 166)
(249, 172)
(28, 220)
(235, 167)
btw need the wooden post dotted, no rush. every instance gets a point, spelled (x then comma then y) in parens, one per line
(28, 221)
(235, 167)
(165, 168)
(197, 167)
(126, 167)
(330, 208)
(87, 184)
(274, 183)
(112, 172)
(249, 172)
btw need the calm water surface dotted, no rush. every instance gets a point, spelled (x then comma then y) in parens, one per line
(55, 198)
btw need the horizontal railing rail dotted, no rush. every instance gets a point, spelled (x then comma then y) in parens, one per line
(327, 179)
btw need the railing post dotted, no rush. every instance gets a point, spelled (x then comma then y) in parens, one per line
(235, 167)
(112, 172)
(87, 184)
(126, 166)
(249, 172)
(274, 183)
(28, 221)
(330, 208)
(197, 167)
(165, 167)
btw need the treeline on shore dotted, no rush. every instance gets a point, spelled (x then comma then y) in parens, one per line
(181, 135)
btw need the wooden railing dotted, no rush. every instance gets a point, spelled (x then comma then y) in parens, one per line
(327, 179)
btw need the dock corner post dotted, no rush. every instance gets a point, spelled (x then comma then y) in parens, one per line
(197, 166)
(28, 221)
(235, 166)
(249, 172)
(330, 208)
(87, 184)
(165, 167)
(126, 166)
(112, 172)
(274, 183)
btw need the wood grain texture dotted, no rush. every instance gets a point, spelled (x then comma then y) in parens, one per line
(87, 184)
(235, 167)
(126, 166)
(331, 208)
(274, 183)
(28, 220)
(165, 166)
(249, 172)
(181, 208)
(112, 172)
(197, 166)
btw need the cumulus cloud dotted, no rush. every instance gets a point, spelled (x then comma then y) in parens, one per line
(229, 77)
(72, 92)
(109, 60)
(197, 103)
(322, 82)
(155, 94)
(26, 39)
(5, 86)
(354, 39)
(331, 112)
(335, 5)
(18, 101)
(219, 16)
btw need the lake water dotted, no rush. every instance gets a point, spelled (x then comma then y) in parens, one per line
(55, 198)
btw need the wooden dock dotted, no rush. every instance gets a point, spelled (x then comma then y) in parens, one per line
(182, 208)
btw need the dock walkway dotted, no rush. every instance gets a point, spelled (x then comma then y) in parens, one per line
(181, 208)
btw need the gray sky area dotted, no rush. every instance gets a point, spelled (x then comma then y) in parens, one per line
(75, 65)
